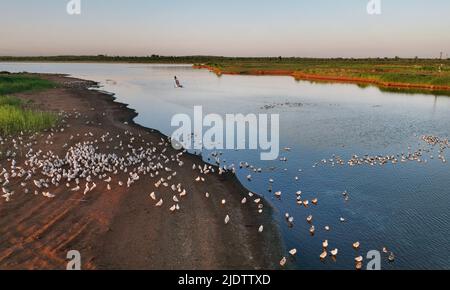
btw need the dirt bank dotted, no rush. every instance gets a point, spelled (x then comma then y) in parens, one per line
(325, 78)
(121, 228)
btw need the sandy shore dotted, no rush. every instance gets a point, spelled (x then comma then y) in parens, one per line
(122, 228)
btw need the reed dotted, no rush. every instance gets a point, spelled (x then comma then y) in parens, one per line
(16, 83)
(15, 114)
(15, 118)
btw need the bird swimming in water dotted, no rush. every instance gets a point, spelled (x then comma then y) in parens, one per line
(324, 255)
(283, 262)
(334, 252)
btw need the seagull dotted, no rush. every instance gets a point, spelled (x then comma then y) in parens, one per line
(7, 195)
(77, 188)
(283, 262)
(153, 196)
(334, 252)
(48, 194)
(261, 229)
(37, 184)
(227, 219)
(290, 220)
(391, 257)
(86, 189)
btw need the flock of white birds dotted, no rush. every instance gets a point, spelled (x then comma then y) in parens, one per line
(421, 155)
(83, 168)
(418, 155)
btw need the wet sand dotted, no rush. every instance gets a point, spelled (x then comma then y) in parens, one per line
(122, 228)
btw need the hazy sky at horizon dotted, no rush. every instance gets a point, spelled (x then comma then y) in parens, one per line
(313, 28)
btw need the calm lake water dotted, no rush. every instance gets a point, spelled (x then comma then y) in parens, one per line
(405, 207)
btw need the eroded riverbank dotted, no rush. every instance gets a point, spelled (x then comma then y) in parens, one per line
(115, 226)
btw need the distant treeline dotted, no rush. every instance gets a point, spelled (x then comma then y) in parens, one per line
(127, 59)
(205, 59)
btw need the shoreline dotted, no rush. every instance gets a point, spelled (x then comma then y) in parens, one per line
(297, 75)
(121, 229)
(329, 79)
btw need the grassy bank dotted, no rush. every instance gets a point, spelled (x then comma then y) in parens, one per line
(16, 83)
(409, 74)
(17, 115)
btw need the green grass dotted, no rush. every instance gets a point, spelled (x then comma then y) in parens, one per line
(10, 101)
(16, 83)
(406, 71)
(15, 114)
(15, 119)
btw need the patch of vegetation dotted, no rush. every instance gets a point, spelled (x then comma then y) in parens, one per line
(406, 71)
(15, 114)
(16, 83)
(15, 119)
(10, 101)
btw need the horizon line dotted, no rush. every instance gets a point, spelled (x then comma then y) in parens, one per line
(155, 56)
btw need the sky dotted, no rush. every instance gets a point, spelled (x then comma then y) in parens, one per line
(304, 28)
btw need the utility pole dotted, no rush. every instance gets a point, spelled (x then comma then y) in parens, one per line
(441, 65)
